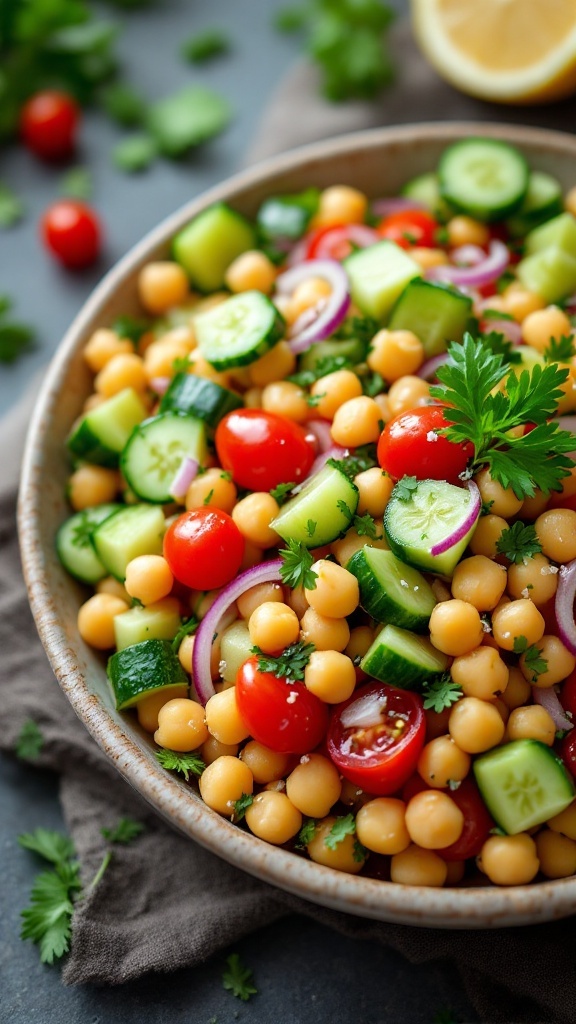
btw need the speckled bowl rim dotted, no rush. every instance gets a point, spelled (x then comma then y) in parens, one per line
(177, 803)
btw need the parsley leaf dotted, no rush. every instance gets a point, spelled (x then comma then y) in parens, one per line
(323, 366)
(11, 207)
(125, 831)
(182, 763)
(290, 664)
(359, 852)
(52, 846)
(405, 488)
(372, 384)
(519, 542)
(47, 921)
(241, 805)
(296, 570)
(344, 508)
(532, 656)
(15, 338)
(362, 328)
(135, 153)
(311, 527)
(188, 626)
(500, 346)
(282, 491)
(123, 104)
(77, 183)
(560, 350)
(342, 827)
(365, 526)
(30, 741)
(441, 693)
(237, 979)
(306, 834)
(186, 119)
(364, 457)
(205, 46)
(130, 327)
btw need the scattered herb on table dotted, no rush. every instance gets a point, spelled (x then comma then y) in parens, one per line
(15, 338)
(11, 207)
(205, 46)
(77, 184)
(47, 920)
(30, 741)
(238, 979)
(123, 833)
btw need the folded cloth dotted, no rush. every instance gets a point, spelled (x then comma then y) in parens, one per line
(136, 920)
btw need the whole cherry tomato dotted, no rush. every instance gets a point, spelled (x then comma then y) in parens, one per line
(283, 716)
(409, 445)
(48, 123)
(262, 450)
(204, 548)
(379, 753)
(408, 228)
(71, 232)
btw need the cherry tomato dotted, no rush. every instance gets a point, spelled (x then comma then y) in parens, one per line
(408, 228)
(410, 445)
(48, 123)
(378, 758)
(262, 450)
(568, 695)
(477, 823)
(333, 243)
(204, 548)
(567, 751)
(283, 716)
(71, 232)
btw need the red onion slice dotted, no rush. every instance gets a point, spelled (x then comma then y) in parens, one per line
(468, 255)
(333, 311)
(509, 328)
(334, 452)
(428, 369)
(160, 384)
(467, 523)
(548, 699)
(184, 477)
(493, 265)
(321, 431)
(395, 204)
(265, 572)
(564, 605)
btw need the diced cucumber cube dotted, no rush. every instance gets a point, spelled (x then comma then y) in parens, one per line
(158, 621)
(436, 314)
(208, 244)
(378, 275)
(523, 784)
(550, 272)
(559, 232)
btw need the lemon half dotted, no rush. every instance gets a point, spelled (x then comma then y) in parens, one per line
(507, 51)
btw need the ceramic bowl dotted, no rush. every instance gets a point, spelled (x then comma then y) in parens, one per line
(378, 162)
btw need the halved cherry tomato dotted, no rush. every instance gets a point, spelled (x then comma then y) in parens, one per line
(338, 241)
(408, 228)
(48, 122)
(204, 548)
(477, 823)
(378, 758)
(567, 751)
(283, 716)
(71, 232)
(262, 450)
(409, 445)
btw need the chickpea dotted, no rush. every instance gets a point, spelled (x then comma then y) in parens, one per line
(406, 393)
(148, 578)
(464, 230)
(455, 627)
(427, 258)
(381, 826)
(504, 501)
(480, 581)
(102, 346)
(356, 422)
(161, 285)
(213, 748)
(202, 368)
(533, 578)
(213, 488)
(516, 619)
(485, 538)
(556, 531)
(181, 725)
(481, 673)
(92, 485)
(223, 717)
(336, 593)
(344, 856)
(275, 364)
(543, 324)
(340, 204)
(223, 782)
(314, 291)
(520, 302)
(531, 723)
(253, 398)
(331, 676)
(384, 406)
(251, 271)
(148, 708)
(375, 488)
(518, 690)
(533, 507)
(475, 725)
(252, 598)
(314, 785)
(556, 853)
(415, 866)
(125, 370)
(361, 638)
(286, 399)
(352, 541)
(253, 555)
(333, 390)
(297, 601)
(565, 822)
(560, 662)
(273, 626)
(433, 820)
(111, 586)
(272, 817)
(185, 653)
(509, 860)
(96, 620)
(326, 634)
(441, 762)
(395, 354)
(253, 515)
(266, 765)
(160, 355)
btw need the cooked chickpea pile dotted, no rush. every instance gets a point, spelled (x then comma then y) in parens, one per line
(480, 616)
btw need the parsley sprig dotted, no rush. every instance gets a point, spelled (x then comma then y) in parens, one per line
(47, 921)
(519, 542)
(532, 656)
(560, 350)
(30, 741)
(296, 570)
(441, 693)
(345, 825)
(241, 805)
(184, 764)
(536, 460)
(365, 526)
(15, 338)
(405, 488)
(290, 664)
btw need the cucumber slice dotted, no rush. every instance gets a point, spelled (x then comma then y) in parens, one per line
(74, 543)
(208, 244)
(199, 397)
(560, 232)
(158, 621)
(322, 510)
(352, 349)
(551, 273)
(133, 530)
(413, 526)
(435, 313)
(485, 178)
(239, 330)
(281, 217)
(378, 275)
(402, 658)
(543, 200)
(155, 450)
(145, 668)
(235, 649)
(101, 435)
(425, 191)
(523, 784)
(390, 590)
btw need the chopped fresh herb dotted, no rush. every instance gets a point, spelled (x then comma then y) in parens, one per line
(237, 979)
(441, 693)
(313, 400)
(519, 542)
(208, 497)
(11, 207)
(496, 314)
(182, 763)
(188, 626)
(362, 328)
(124, 832)
(504, 280)
(30, 741)
(561, 733)
(497, 831)
(560, 350)
(372, 385)
(47, 921)
(123, 104)
(290, 664)
(181, 364)
(532, 655)
(130, 327)
(135, 153)
(296, 570)
(485, 507)
(282, 491)
(311, 527)
(365, 526)
(306, 834)
(15, 339)
(500, 346)
(405, 488)
(536, 460)
(205, 46)
(241, 805)
(342, 827)
(189, 117)
(324, 366)
(344, 508)
(359, 852)
(226, 475)
(77, 184)
(364, 457)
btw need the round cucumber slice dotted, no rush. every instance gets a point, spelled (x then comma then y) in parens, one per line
(485, 178)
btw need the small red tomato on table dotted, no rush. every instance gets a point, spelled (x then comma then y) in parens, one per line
(48, 124)
(71, 232)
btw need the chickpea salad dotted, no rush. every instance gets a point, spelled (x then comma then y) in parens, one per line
(325, 494)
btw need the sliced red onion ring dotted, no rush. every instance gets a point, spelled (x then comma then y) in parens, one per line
(509, 328)
(334, 452)
(468, 255)
(548, 699)
(333, 312)
(428, 369)
(395, 204)
(321, 431)
(493, 265)
(265, 572)
(465, 525)
(160, 384)
(184, 477)
(564, 605)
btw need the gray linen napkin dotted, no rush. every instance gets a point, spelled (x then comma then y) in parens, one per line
(136, 921)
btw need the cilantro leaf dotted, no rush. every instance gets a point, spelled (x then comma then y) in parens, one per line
(344, 508)
(306, 834)
(342, 827)
(290, 664)
(186, 119)
(532, 657)
(405, 488)
(237, 979)
(11, 207)
(124, 832)
(441, 693)
(77, 183)
(30, 741)
(47, 921)
(188, 626)
(241, 805)
(52, 846)
(560, 350)
(365, 526)
(296, 570)
(282, 491)
(359, 852)
(205, 46)
(362, 328)
(519, 542)
(182, 763)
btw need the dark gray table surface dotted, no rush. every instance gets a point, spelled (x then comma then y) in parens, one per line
(304, 972)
